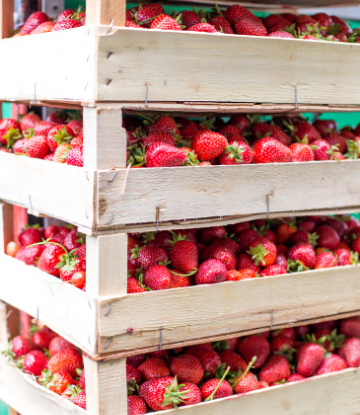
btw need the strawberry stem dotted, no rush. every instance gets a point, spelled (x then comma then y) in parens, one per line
(211, 397)
(246, 371)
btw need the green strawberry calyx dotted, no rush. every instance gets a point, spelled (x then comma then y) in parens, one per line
(172, 395)
(258, 253)
(62, 136)
(12, 135)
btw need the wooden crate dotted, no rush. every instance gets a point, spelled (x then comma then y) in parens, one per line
(193, 315)
(310, 397)
(180, 66)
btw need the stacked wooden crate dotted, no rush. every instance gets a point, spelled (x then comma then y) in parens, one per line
(221, 74)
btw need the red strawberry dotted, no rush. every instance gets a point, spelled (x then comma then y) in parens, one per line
(309, 358)
(281, 344)
(254, 346)
(236, 152)
(60, 134)
(345, 28)
(58, 343)
(77, 141)
(31, 255)
(283, 35)
(247, 384)
(306, 130)
(223, 390)
(208, 144)
(202, 27)
(29, 121)
(150, 255)
(344, 257)
(244, 261)
(296, 377)
(242, 274)
(21, 346)
(136, 405)
(228, 243)
(221, 24)
(80, 399)
(82, 380)
(187, 128)
(56, 382)
(58, 117)
(280, 259)
(325, 260)
(234, 360)
(262, 252)
(157, 277)
(67, 359)
(301, 152)
(30, 236)
(303, 252)
(211, 271)
(75, 157)
(321, 149)
(164, 123)
(328, 237)
(207, 235)
(240, 121)
(37, 147)
(158, 137)
(350, 327)
(10, 131)
(219, 252)
(69, 23)
(153, 368)
(165, 22)
(356, 245)
(45, 27)
(189, 18)
(187, 368)
(71, 240)
(65, 14)
(147, 13)
(332, 363)
(272, 270)
(43, 128)
(270, 150)
(336, 140)
(164, 155)
(133, 286)
(178, 281)
(33, 21)
(184, 256)
(43, 337)
(261, 130)
(340, 227)
(273, 19)
(289, 16)
(250, 27)
(133, 373)
(324, 126)
(35, 362)
(136, 360)
(20, 147)
(235, 12)
(192, 394)
(275, 369)
(350, 351)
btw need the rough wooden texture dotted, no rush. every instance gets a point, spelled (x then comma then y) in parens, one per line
(106, 265)
(6, 18)
(66, 192)
(6, 225)
(106, 387)
(315, 68)
(104, 139)
(190, 313)
(105, 12)
(68, 311)
(218, 191)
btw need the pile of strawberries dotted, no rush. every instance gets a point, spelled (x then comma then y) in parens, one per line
(57, 250)
(187, 376)
(163, 141)
(57, 139)
(40, 22)
(55, 362)
(239, 20)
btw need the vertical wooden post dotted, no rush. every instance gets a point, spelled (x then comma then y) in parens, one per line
(103, 12)
(106, 265)
(6, 18)
(102, 399)
(13, 412)
(104, 139)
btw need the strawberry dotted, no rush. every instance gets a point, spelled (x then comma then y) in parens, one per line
(228, 243)
(50, 257)
(133, 373)
(336, 140)
(35, 362)
(301, 252)
(136, 360)
(295, 377)
(31, 255)
(309, 358)
(262, 252)
(45, 27)
(37, 147)
(246, 237)
(29, 121)
(280, 259)
(189, 18)
(275, 370)
(289, 16)
(69, 23)
(33, 21)
(21, 346)
(306, 130)
(20, 147)
(222, 25)
(60, 134)
(261, 130)
(187, 128)
(222, 389)
(43, 128)
(254, 345)
(242, 274)
(324, 126)
(284, 232)
(344, 27)
(153, 368)
(287, 332)
(58, 117)
(68, 359)
(30, 236)
(270, 150)
(80, 399)
(192, 394)
(178, 280)
(283, 35)
(164, 123)
(64, 15)
(10, 131)
(202, 27)
(165, 22)
(321, 149)
(75, 157)
(350, 351)
(281, 344)
(76, 126)
(219, 252)
(77, 141)
(207, 235)
(236, 152)
(273, 19)
(301, 152)
(233, 360)
(244, 261)
(149, 255)
(328, 237)
(157, 277)
(208, 144)
(147, 13)
(250, 27)
(247, 384)
(356, 245)
(350, 327)
(56, 382)
(272, 270)
(344, 257)
(58, 343)
(136, 405)
(164, 155)
(78, 279)
(325, 260)
(235, 12)
(211, 271)
(158, 137)
(187, 368)
(161, 239)
(61, 153)
(184, 256)
(133, 286)
(332, 363)
(340, 227)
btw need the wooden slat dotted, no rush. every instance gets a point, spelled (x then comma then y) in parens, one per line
(66, 192)
(105, 12)
(191, 313)
(68, 311)
(218, 191)
(6, 18)
(6, 226)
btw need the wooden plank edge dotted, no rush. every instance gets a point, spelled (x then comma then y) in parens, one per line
(119, 355)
